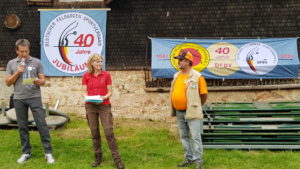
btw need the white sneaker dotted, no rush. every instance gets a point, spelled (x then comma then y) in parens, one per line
(24, 158)
(49, 158)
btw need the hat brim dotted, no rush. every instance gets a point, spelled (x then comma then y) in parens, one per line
(179, 57)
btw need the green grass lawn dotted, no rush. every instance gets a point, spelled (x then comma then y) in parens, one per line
(143, 145)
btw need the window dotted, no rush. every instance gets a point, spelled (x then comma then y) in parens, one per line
(39, 2)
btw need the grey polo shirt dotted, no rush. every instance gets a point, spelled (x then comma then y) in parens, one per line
(33, 67)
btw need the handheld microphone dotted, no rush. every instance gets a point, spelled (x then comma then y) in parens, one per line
(22, 62)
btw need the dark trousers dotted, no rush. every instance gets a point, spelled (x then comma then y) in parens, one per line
(93, 113)
(36, 107)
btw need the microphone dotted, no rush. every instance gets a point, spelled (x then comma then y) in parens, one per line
(22, 62)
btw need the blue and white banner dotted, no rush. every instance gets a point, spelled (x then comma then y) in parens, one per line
(69, 37)
(271, 58)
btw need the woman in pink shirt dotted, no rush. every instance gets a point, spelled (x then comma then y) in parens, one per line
(96, 82)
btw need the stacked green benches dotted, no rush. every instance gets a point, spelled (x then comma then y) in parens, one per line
(258, 125)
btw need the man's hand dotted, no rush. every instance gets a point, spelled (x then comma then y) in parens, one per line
(39, 82)
(12, 78)
(21, 69)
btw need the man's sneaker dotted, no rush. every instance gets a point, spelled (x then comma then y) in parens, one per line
(186, 163)
(49, 158)
(24, 158)
(198, 165)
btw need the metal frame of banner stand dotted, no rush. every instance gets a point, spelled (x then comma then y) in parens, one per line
(221, 37)
(163, 84)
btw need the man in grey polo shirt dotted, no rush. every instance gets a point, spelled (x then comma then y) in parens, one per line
(27, 75)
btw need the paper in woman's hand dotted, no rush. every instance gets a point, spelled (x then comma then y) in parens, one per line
(94, 99)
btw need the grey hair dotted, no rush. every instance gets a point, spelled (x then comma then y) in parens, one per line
(22, 42)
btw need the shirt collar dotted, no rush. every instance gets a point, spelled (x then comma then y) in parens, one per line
(100, 74)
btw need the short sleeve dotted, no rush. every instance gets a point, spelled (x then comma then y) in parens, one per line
(40, 68)
(85, 79)
(202, 85)
(108, 79)
(9, 70)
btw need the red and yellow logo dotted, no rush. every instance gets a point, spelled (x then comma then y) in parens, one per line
(200, 55)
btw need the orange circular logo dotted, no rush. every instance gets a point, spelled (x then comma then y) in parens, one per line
(201, 56)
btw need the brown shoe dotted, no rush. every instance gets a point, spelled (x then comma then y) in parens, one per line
(96, 164)
(98, 160)
(120, 166)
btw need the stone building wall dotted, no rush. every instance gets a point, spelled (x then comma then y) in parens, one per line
(130, 100)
